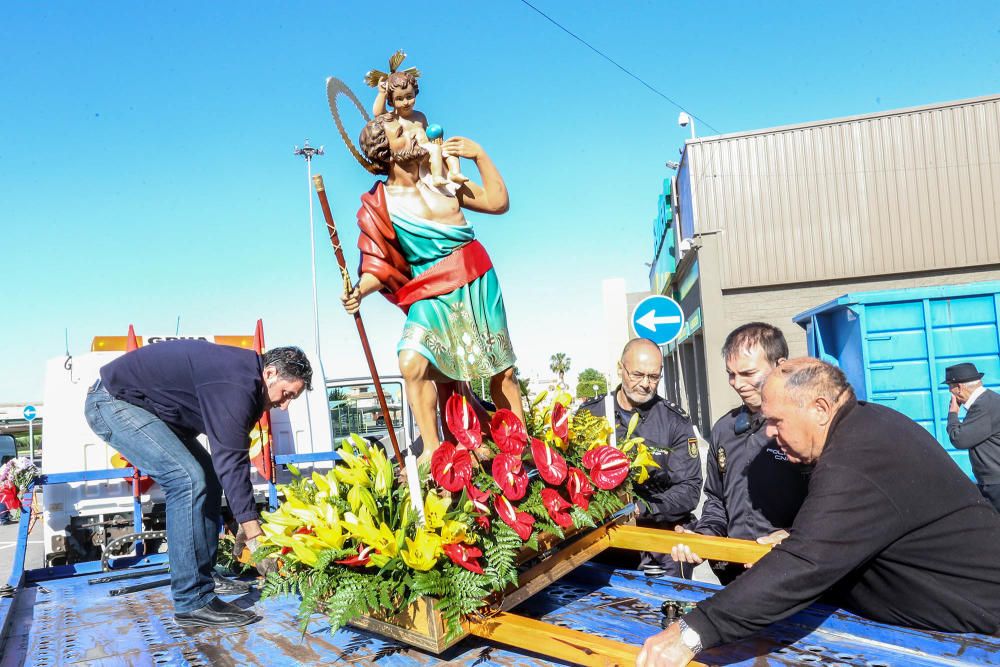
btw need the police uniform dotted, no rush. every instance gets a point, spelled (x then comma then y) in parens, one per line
(672, 491)
(751, 489)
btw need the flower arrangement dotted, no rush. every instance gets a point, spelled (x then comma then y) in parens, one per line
(350, 543)
(15, 476)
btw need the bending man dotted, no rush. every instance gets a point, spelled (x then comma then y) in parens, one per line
(151, 405)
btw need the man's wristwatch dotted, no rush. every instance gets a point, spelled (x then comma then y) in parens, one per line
(690, 637)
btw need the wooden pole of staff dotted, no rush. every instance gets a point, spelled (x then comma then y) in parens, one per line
(335, 240)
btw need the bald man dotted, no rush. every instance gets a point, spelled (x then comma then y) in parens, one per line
(672, 490)
(890, 528)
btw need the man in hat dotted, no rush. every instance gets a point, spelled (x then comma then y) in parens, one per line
(979, 432)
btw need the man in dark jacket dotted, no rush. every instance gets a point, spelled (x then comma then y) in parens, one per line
(671, 493)
(891, 528)
(151, 405)
(752, 491)
(979, 432)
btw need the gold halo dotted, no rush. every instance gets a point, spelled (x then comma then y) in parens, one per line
(336, 87)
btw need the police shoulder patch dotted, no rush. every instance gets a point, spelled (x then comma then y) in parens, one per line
(693, 447)
(676, 408)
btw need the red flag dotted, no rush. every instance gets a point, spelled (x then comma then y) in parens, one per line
(262, 458)
(132, 344)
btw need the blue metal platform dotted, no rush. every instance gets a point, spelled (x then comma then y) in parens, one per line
(67, 621)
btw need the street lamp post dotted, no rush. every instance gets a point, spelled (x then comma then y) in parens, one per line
(308, 152)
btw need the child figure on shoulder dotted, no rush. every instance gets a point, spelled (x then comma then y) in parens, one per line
(399, 90)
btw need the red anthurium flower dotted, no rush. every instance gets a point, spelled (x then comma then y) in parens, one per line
(508, 432)
(521, 522)
(550, 463)
(464, 555)
(462, 422)
(579, 488)
(560, 421)
(556, 506)
(608, 466)
(483, 521)
(451, 467)
(510, 475)
(478, 497)
(361, 559)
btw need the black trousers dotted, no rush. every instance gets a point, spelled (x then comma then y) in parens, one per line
(992, 493)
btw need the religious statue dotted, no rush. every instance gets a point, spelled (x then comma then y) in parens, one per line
(420, 252)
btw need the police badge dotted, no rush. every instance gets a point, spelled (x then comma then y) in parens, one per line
(721, 460)
(693, 447)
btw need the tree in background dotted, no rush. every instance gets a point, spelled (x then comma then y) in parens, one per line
(588, 379)
(559, 363)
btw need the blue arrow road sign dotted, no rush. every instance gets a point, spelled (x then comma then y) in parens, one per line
(30, 412)
(658, 318)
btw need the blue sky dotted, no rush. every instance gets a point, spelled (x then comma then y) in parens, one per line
(146, 167)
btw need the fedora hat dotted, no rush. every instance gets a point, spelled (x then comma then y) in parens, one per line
(961, 373)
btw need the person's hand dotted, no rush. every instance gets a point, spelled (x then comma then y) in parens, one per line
(265, 566)
(383, 86)
(681, 553)
(954, 404)
(352, 301)
(665, 649)
(462, 147)
(774, 539)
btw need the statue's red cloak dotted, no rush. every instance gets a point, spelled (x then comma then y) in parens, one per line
(382, 257)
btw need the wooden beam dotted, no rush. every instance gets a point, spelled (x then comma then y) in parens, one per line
(706, 546)
(579, 648)
(557, 566)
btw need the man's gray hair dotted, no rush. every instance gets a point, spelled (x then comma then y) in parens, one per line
(971, 385)
(291, 364)
(807, 378)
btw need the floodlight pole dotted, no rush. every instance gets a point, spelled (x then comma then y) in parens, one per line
(308, 152)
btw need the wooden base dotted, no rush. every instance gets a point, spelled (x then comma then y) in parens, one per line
(421, 625)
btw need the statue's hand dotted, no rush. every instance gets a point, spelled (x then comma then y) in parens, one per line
(462, 147)
(352, 301)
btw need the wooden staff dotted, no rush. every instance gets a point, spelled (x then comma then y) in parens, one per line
(335, 240)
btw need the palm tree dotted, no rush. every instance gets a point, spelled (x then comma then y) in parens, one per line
(559, 363)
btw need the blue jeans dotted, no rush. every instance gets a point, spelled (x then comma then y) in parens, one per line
(183, 469)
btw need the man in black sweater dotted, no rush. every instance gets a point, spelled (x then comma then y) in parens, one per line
(151, 405)
(890, 529)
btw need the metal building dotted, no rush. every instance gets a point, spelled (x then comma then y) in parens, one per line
(765, 224)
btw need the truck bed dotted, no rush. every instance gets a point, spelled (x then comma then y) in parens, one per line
(64, 620)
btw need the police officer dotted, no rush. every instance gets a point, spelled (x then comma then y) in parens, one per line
(672, 490)
(752, 491)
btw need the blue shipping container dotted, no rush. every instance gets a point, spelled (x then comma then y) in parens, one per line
(894, 346)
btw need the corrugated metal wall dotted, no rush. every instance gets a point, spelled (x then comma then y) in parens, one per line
(911, 190)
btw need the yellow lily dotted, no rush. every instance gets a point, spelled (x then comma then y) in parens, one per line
(358, 497)
(435, 507)
(454, 531)
(421, 553)
(363, 528)
(643, 461)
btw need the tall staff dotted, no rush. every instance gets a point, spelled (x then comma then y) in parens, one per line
(335, 240)
(410, 461)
